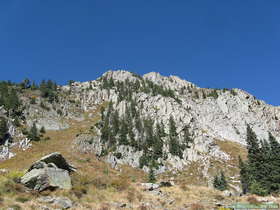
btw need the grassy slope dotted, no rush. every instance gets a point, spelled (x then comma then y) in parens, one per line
(96, 185)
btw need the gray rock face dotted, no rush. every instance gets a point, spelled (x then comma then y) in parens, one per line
(52, 171)
(209, 118)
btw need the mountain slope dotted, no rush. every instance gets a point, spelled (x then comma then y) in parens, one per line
(151, 122)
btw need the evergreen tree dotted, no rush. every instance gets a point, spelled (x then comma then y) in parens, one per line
(261, 173)
(244, 176)
(115, 122)
(255, 160)
(220, 182)
(33, 86)
(152, 177)
(123, 133)
(25, 84)
(33, 133)
(174, 146)
(187, 137)
(3, 128)
(42, 130)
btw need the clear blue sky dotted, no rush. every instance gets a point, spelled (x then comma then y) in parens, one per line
(213, 43)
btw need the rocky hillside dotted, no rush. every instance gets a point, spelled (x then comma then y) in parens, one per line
(164, 123)
(151, 122)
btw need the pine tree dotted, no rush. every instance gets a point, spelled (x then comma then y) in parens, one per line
(223, 182)
(272, 166)
(115, 122)
(3, 128)
(255, 159)
(244, 176)
(220, 182)
(152, 177)
(33, 133)
(25, 84)
(123, 133)
(187, 137)
(33, 86)
(174, 146)
(42, 130)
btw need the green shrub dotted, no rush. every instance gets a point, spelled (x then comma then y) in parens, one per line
(22, 199)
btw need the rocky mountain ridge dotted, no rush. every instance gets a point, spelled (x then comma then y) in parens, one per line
(192, 120)
(209, 114)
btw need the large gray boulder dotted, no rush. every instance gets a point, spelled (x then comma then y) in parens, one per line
(51, 171)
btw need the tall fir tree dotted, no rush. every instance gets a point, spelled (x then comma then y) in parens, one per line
(3, 128)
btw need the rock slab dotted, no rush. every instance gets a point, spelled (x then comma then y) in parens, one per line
(50, 172)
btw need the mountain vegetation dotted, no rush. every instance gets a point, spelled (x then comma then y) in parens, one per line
(260, 173)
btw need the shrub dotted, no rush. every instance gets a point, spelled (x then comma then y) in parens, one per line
(15, 207)
(59, 112)
(213, 94)
(121, 183)
(80, 185)
(10, 187)
(22, 199)
(33, 100)
(15, 175)
(131, 195)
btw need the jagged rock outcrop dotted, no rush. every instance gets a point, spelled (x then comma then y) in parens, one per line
(209, 114)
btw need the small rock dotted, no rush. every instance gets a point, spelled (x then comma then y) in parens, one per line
(227, 193)
(149, 186)
(3, 171)
(157, 192)
(46, 199)
(171, 201)
(63, 202)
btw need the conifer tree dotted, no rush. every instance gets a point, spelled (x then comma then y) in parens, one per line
(123, 133)
(244, 176)
(33, 133)
(174, 146)
(152, 177)
(3, 128)
(187, 137)
(220, 182)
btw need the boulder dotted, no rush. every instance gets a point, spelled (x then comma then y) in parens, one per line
(51, 171)
(46, 178)
(62, 202)
(57, 159)
(149, 186)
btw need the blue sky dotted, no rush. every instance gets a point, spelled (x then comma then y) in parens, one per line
(213, 43)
